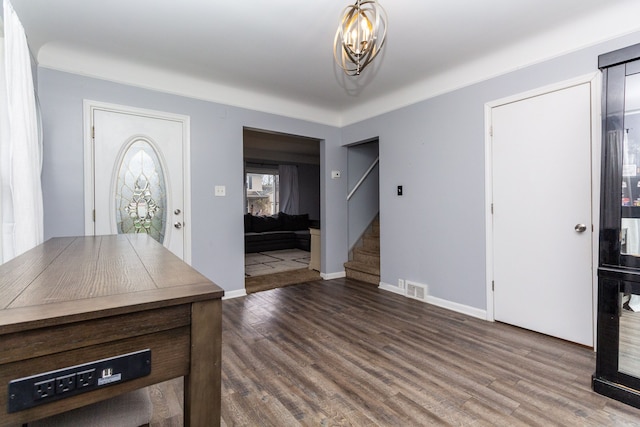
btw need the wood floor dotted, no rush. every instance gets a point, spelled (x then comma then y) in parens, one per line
(339, 352)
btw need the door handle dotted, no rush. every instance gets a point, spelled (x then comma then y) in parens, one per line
(178, 225)
(580, 228)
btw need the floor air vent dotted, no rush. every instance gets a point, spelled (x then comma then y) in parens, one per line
(416, 291)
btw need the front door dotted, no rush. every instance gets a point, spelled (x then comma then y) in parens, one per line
(139, 183)
(542, 220)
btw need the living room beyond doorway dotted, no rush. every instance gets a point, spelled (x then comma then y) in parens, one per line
(281, 204)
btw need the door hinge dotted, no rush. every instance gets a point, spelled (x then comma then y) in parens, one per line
(491, 130)
(493, 285)
(94, 215)
(491, 208)
(93, 132)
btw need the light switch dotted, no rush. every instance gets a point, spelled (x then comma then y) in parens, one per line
(399, 190)
(221, 190)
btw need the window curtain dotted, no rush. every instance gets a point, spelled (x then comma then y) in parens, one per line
(21, 211)
(289, 193)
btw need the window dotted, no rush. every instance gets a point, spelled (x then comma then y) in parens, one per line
(262, 191)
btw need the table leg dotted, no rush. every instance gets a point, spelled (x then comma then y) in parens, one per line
(202, 386)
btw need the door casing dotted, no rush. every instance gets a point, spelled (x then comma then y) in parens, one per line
(594, 79)
(89, 106)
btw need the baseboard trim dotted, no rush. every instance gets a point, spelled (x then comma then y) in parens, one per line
(439, 302)
(390, 288)
(459, 308)
(234, 294)
(336, 275)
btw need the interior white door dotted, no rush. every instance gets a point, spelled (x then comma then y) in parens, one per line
(138, 176)
(542, 221)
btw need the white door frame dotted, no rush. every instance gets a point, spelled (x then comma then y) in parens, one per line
(595, 82)
(89, 106)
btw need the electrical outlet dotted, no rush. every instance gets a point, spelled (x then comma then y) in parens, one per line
(51, 386)
(44, 389)
(65, 383)
(86, 378)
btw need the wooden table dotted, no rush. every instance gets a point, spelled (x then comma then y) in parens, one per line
(74, 300)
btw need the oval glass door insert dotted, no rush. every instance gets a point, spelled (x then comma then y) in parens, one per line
(141, 194)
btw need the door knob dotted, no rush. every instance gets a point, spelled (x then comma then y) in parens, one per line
(178, 225)
(580, 228)
(177, 212)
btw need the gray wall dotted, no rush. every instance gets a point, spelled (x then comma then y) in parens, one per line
(435, 233)
(216, 159)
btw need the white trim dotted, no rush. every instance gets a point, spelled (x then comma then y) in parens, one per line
(458, 308)
(488, 200)
(594, 80)
(391, 288)
(89, 106)
(336, 275)
(234, 294)
(448, 305)
(596, 160)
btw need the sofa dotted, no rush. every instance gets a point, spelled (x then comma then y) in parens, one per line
(275, 232)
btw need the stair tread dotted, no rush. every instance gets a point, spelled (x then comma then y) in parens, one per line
(363, 267)
(365, 258)
(367, 251)
(364, 277)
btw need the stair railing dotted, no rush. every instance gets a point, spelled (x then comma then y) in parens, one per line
(361, 180)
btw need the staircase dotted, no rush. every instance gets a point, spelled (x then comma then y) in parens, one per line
(364, 264)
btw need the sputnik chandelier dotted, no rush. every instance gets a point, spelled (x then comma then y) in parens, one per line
(360, 36)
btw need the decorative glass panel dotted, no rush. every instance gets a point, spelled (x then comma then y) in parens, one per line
(141, 192)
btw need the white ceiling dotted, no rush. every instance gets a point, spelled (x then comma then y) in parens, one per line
(276, 55)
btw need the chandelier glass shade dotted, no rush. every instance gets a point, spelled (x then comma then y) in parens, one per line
(360, 36)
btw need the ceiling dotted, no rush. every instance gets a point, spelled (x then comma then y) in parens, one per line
(276, 56)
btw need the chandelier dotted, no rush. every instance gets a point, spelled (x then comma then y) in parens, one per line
(360, 36)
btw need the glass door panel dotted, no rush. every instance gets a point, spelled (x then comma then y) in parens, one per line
(630, 218)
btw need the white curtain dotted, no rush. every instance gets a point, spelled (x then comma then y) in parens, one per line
(21, 211)
(289, 193)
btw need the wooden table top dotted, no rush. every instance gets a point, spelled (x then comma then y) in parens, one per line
(70, 279)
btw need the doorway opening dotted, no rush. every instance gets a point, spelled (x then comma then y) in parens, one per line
(281, 208)
(363, 208)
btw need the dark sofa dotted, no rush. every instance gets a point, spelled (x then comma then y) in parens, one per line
(281, 231)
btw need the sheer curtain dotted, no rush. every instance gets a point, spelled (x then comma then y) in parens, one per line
(289, 193)
(21, 211)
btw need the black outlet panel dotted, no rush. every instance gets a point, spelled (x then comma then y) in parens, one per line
(59, 384)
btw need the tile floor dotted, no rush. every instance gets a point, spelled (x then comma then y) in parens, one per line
(261, 263)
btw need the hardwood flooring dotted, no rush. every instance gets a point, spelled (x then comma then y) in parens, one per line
(279, 280)
(339, 353)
